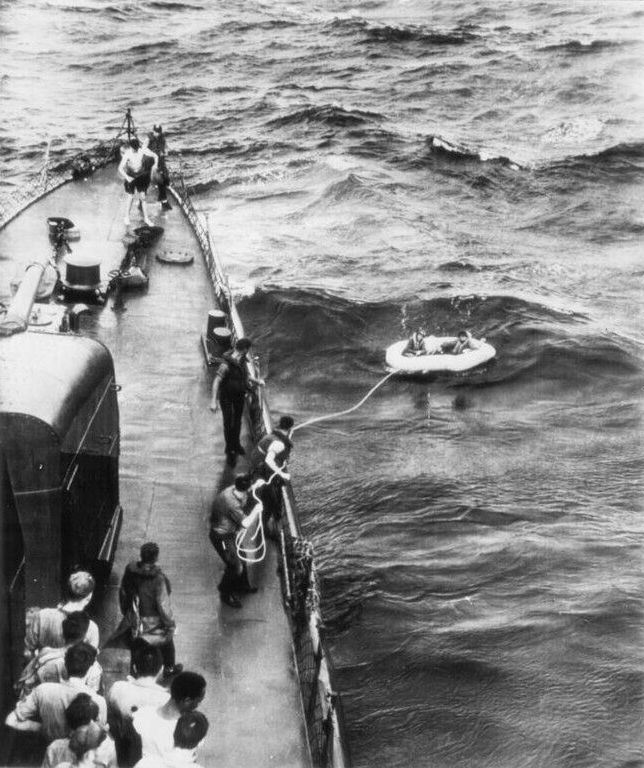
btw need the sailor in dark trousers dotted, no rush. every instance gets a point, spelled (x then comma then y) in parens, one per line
(269, 462)
(156, 143)
(232, 382)
(226, 520)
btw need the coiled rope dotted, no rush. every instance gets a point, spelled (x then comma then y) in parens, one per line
(348, 410)
(251, 546)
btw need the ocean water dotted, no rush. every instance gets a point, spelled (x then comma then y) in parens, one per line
(368, 167)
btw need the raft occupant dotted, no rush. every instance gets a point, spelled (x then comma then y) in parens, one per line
(157, 144)
(232, 382)
(463, 341)
(135, 169)
(416, 344)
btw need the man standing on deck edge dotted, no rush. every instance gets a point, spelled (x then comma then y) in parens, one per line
(232, 382)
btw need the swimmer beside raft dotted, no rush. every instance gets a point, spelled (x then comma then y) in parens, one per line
(423, 353)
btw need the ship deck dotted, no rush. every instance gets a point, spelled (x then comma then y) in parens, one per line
(172, 465)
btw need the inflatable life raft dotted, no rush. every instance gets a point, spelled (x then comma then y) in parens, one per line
(438, 362)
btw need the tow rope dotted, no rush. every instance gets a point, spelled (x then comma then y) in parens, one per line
(250, 541)
(348, 410)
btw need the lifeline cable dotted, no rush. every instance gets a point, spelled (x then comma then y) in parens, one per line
(348, 410)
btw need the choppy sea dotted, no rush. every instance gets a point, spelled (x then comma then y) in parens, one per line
(375, 165)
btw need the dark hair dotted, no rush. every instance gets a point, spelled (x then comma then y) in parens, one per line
(135, 143)
(149, 552)
(191, 728)
(286, 423)
(187, 685)
(75, 626)
(81, 711)
(157, 129)
(461, 333)
(146, 658)
(85, 738)
(243, 344)
(79, 658)
(242, 482)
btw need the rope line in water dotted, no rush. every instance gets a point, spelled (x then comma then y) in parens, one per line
(251, 547)
(348, 410)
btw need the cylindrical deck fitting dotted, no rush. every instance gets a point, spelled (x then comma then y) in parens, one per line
(82, 273)
(216, 319)
(222, 338)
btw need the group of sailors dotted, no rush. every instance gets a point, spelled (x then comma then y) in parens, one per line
(260, 485)
(148, 720)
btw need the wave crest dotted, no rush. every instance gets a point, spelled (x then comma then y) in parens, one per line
(327, 114)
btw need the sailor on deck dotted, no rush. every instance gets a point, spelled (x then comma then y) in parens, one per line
(135, 168)
(272, 453)
(269, 462)
(45, 626)
(43, 710)
(226, 518)
(144, 596)
(157, 144)
(232, 382)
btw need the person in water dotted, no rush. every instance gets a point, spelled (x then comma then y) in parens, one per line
(157, 144)
(135, 168)
(463, 341)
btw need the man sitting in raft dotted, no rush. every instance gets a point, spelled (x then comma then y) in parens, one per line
(421, 344)
(416, 344)
(463, 341)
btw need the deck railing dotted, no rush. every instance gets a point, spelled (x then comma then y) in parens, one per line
(321, 705)
(300, 588)
(51, 177)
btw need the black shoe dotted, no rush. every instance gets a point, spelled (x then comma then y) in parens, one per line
(249, 590)
(231, 458)
(231, 600)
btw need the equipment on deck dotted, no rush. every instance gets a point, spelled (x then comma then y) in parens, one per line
(217, 338)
